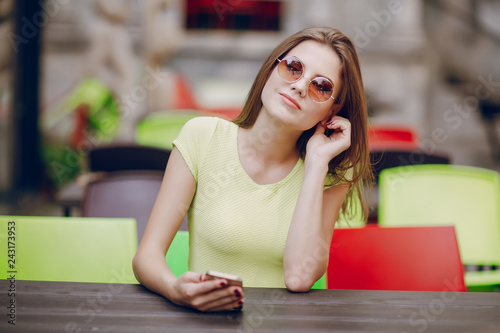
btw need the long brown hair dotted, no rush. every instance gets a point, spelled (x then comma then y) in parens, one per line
(351, 104)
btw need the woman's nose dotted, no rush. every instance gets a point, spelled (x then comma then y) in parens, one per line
(301, 86)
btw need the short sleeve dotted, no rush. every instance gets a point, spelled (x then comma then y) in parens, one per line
(193, 141)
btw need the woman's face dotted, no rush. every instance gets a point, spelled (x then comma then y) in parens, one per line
(290, 103)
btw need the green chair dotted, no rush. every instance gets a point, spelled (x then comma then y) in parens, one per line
(160, 128)
(466, 197)
(321, 283)
(69, 249)
(178, 253)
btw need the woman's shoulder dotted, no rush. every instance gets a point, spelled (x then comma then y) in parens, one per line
(205, 129)
(204, 123)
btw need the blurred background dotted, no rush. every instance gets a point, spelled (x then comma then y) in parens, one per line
(75, 75)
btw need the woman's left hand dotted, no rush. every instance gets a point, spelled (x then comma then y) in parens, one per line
(322, 148)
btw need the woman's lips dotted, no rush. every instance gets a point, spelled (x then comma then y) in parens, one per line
(290, 101)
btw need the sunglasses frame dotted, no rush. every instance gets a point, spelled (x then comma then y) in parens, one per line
(302, 76)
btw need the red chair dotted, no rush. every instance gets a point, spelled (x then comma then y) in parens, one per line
(406, 258)
(383, 137)
(185, 99)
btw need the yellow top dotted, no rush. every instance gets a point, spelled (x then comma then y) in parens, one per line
(235, 225)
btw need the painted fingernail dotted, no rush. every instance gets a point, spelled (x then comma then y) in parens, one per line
(222, 284)
(240, 302)
(237, 293)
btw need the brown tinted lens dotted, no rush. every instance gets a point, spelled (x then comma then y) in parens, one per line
(320, 89)
(290, 69)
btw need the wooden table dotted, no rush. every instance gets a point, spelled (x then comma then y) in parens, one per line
(83, 307)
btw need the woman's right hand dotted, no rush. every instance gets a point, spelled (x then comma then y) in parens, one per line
(212, 295)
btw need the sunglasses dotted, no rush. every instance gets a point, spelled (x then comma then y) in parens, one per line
(320, 88)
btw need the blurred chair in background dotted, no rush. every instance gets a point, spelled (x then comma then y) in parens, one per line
(71, 249)
(390, 146)
(109, 159)
(178, 253)
(383, 137)
(127, 157)
(465, 197)
(389, 158)
(185, 99)
(381, 159)
(124, 194)
(378, 258)
(160, 128)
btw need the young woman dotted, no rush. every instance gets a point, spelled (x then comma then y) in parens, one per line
(263, 192)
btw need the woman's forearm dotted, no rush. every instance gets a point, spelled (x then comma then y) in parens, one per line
(153, 273)
(304, 260)
(174, 197)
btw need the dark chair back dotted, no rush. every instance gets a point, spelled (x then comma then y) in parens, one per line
(127, 157)
(390, 158)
